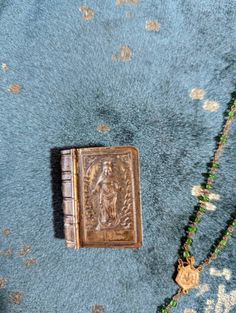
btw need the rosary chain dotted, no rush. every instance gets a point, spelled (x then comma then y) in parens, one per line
(202, 208)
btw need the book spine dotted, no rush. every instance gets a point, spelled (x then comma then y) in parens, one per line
(69, 193)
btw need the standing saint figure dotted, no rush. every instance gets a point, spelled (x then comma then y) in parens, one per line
(107, 188)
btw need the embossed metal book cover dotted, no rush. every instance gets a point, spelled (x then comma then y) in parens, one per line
(101, 197)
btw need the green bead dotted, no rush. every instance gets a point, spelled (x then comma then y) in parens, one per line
(202, 209)
(192, 229)
(234, 223)
(209, 187)
(215, 165)
(231, 114)
(223, 242)
(212, 176)
(189, 241)
(173, 303)
(164, 310)
(186, 254)
(223, 139)
(217, 251)
(197, 220)
(228, 233)
(203, 198)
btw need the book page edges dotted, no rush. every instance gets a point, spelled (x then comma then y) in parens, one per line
(70, 197)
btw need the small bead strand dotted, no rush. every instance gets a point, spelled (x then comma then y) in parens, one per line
(204, 197)
(173, 302)
(203, 200)
(221, 244)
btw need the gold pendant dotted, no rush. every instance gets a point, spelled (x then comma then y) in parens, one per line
(187, 276)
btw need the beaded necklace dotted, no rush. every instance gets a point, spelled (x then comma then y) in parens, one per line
(188, 274)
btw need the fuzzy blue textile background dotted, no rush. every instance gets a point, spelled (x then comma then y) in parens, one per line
(74, 77)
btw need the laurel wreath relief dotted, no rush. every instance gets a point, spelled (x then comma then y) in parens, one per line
(126, 210)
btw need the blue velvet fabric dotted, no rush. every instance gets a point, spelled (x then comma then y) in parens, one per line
(73, 78)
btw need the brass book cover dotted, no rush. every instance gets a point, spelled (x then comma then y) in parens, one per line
(101, 197)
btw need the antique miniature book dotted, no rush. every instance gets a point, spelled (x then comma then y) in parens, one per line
(101, 197)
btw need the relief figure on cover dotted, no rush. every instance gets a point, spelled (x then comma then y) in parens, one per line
(107, 189)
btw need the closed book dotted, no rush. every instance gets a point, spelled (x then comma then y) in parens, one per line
(101, 197)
